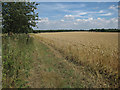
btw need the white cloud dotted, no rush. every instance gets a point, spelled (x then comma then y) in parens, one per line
(107, 14)
(114, 19)
(82, 13)
(78, 20)
(113, 7)
(75, 15)
(75, 23)
(90, 19)
(69, 16)
(101, 11)
(78, 12)
(82, 20)
(62, 20)
(99, 19)
(88, 23)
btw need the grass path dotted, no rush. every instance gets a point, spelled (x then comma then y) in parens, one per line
(51, 70)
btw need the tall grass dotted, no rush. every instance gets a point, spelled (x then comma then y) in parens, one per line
(101, 61)
(17, 59)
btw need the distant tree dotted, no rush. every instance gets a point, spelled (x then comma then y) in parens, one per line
(19, 17)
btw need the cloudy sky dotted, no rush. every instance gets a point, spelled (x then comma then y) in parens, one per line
(77, 15)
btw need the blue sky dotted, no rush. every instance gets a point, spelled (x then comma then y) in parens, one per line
(75, 0)
(77, 15)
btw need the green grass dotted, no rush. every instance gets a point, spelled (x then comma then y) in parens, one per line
(17, 58)
(27, 62)
(52, 71)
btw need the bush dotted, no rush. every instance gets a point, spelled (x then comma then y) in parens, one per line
(17, 59)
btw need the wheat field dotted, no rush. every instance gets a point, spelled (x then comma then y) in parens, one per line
(97, 50)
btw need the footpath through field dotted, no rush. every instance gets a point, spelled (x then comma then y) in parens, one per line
(51, 70)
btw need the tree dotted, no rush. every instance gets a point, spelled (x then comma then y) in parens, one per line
(19, 17)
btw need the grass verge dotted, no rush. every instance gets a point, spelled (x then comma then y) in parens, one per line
(16, 58)
(50, 70)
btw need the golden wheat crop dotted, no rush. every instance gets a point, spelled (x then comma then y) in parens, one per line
(98, 50)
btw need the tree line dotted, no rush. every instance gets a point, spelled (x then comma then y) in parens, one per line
(105, 30)
(91, 30)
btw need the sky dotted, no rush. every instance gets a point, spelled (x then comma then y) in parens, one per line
(61, 0)
(75, 0)
(77, 15)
